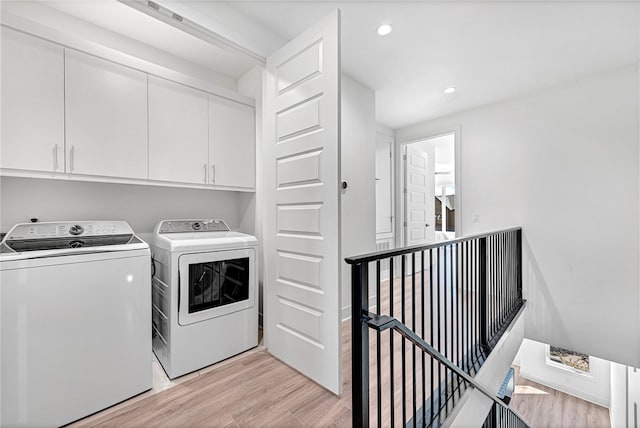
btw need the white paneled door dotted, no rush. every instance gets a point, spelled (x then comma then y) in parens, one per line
(302, 231)
(419, 197)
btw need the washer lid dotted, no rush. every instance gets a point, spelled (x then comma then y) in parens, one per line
(25, 237)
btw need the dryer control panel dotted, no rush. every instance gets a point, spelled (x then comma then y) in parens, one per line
(182, 226)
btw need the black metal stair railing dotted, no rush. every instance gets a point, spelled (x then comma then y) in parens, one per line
(500, 414)
(457, 296)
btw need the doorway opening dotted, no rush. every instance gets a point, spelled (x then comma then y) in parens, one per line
(428, 190)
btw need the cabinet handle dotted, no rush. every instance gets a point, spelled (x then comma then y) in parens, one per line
(213, 174)
(72, 158)
(205, 173)
(55, 157)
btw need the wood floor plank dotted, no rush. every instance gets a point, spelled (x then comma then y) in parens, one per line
(542, 406)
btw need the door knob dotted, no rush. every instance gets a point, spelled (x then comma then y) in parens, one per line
(426, 225)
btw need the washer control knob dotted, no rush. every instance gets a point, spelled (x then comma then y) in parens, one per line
(76, 229)
(196, 226)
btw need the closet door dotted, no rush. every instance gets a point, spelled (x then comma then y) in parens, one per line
(302, 222)
(32, 103)
(106, 117)
(178, 133)
(232, 149)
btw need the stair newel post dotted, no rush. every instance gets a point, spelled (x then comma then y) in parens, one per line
(519, 262)
(482, 290)
(360, 341)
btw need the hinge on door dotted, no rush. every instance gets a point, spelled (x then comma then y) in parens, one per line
(404, 157)
(404, 224)
(390, 154)
(404, 190)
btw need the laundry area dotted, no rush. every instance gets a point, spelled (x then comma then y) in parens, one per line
(133, 197)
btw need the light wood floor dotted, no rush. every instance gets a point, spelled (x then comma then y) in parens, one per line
(542, 406)
(255, 389)
(249, 390)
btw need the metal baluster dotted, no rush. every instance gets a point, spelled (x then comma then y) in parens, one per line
(444, 307)
(451, 312)
(459, 295)
(469, 304)
(391, 365)
(403, 301)
(431, 271)
(439, 348)
(413, 327)
(424, 397)
(482, 286)
(378, 350)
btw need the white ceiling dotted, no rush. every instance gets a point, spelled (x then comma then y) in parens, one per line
(133, 24)
(489, 50)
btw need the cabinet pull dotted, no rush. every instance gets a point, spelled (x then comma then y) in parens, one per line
(55, 157)
(213, 174)
(205, 173)
(72, 158)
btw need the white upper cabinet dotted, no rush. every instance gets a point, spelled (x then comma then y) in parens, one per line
(178, 133)
(232, 143)
(106, 118)
(67, 114)
(32, 103)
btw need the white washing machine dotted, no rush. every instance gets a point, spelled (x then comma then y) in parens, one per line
(75, 302)
(204, 294)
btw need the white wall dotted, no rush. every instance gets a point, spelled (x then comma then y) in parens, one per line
(358, 149)
(141, 206)
(594, 387)
(252, 204)
(548, 162)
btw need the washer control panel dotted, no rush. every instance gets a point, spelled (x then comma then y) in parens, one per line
(182, 226)
(68, 229)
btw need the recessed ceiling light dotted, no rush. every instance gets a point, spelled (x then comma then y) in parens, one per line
(450, 90)
(384, 29)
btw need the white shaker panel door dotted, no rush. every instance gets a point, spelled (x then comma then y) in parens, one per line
(232, 150)
(419, 197)
(106, 118)
(178, 133)
(302, 229)
(32, 103)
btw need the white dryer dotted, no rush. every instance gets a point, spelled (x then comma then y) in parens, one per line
(75, 306)
(204, 294)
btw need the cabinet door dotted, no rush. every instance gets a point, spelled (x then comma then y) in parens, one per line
(106, 117)
(32, 103)
(232, 143)
(178, 143)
